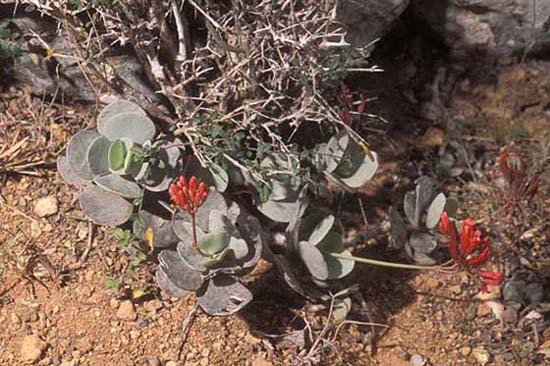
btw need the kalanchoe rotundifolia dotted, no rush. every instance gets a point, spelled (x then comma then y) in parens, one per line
(189, 196)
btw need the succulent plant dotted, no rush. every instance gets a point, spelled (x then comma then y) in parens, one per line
(422, 212)
(228, 243)
(346, 162)
(116, 163)
(315, 237)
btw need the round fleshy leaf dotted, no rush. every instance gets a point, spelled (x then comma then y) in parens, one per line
(365, 171)
(67, 172)
(409, 206)
(279, 211)
(132, 125)
(435, 210)
(451, 206)
(224, 296)
(116, 184)
(331, 243)
(163, 235)
(398, 229)
(114, 109)
(182, 275)
(214, 242)
(77, 151)
(424, 193)
(105, 208)
(160, 178)
(314, 260)
(221, 179)
(168, 286)
(337, 267)
(422, 242)
(97, 155)
(116, 155)
(335, 150)
(341, 309)
(321, 229)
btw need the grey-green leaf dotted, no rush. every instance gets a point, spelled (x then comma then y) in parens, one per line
(398, 229)
(132, 125)
(335, 150)
(314, 260)
(321, 230)
(116, 184)
(409, 205)
(97, 155)
(422, 242)
(364, 172)
(105, 208)
(224, 296)
(114, 109)
(163, 235)
(67, 172)
(424, 194)
(166, 284)
(179, 272)
(435, 210)
(77, 151)
(451, 206)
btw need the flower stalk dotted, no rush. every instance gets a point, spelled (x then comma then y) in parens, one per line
(189, 196)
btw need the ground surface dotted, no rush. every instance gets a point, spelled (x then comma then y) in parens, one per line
(55, 269)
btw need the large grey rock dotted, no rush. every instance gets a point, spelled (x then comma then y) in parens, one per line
(367, 20)
(495, 27)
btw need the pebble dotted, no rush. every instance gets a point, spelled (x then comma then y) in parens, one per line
(481, 355)
(153, 306)
(46, 206)
(134, 334)
(483, 309)
(418, 360)
(126, 311)
(32, 349)
(171, 363)
(154, 362)
(15, 319)
(260, 361)
(465, 351)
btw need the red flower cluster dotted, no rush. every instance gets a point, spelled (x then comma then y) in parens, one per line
(190, 196)
(469, 250)
(521, 185)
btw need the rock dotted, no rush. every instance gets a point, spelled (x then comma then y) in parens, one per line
(500, 28)
(418, 360)
(366, 20)
(483, 309)
(465, 351)
(260, 361)
(533, 315)
(32, 349)
(171, 363)
(433, 137)
(481, 355)
(46, 206)
(154, 362)
(153, 306)
(126, 311)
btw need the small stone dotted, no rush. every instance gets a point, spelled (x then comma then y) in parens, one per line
(153, 306)
(465, 351)
(260, 361)
(456, 289)
(418, 360)
(154, 362)
(134, 334)
(32, 349)
(433, 137)
(432, 283)
(114, 303)
(533, 315)
(15, 319)
(126, 311)
(171, 363)
(46, 206)
(483, 309)
(250, 339)
(481, 355)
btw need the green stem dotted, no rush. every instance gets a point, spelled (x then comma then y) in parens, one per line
(381, 263)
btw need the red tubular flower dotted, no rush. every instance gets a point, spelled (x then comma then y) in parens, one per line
(188, 196)
(469, 249)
